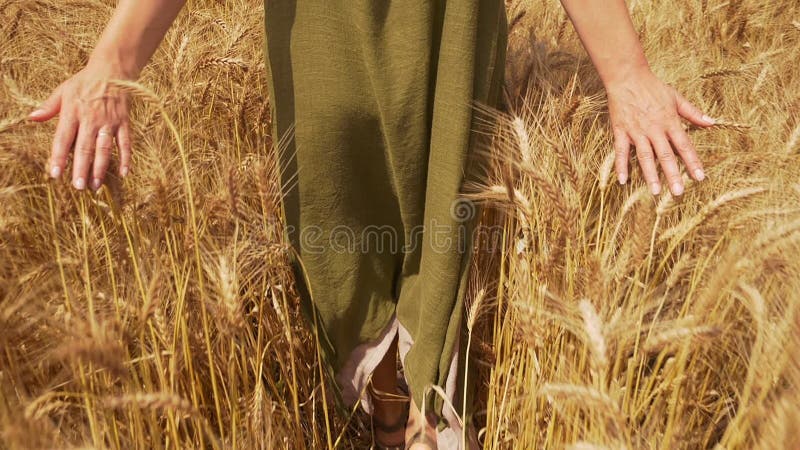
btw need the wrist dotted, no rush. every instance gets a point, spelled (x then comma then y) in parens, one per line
(623, 72)
(113, 64)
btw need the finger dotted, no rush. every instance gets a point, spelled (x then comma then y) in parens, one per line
(84, 154)
(669, 163)
(685, 147)
(692, 113)
(124, 145)
(102, 155)
(63, 139)
(49, 108)
(622, 147)
(644, 153)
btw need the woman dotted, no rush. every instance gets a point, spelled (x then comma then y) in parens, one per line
(378, 98)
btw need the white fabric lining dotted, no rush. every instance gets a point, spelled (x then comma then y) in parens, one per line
(355, 374)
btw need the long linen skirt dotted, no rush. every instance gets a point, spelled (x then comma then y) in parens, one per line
(374, 111)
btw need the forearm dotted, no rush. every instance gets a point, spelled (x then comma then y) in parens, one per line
(133, 34)
(606, 31)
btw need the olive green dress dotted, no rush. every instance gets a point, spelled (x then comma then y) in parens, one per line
(374, 104)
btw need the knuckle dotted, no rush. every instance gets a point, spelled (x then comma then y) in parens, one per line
(640, 139)
(682, 142)
(66, 124)
(90, 121)
(85, 150)
(688, 156)
(618, 129)
(92, 116)
(84, 112)
(106, 131)
(645, 156)
(668, 161)
(686, 145)
(667, 158)
(665, 153)
(687, 152)
(655, 128)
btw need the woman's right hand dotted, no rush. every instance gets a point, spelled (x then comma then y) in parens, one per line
(91, 113)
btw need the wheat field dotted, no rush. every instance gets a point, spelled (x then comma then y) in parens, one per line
(160, 312)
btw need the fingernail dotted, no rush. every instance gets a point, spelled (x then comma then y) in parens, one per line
(698, 173)
(55, 171)
(677, 188)
(96, 184)
(709, 120)
(36, 113)
(622, 177)
(79, 183)
(124, 171)
(655, 188)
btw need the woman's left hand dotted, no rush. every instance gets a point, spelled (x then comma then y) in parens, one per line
(646, 113)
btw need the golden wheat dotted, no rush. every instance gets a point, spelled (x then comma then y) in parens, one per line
(160, 312)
